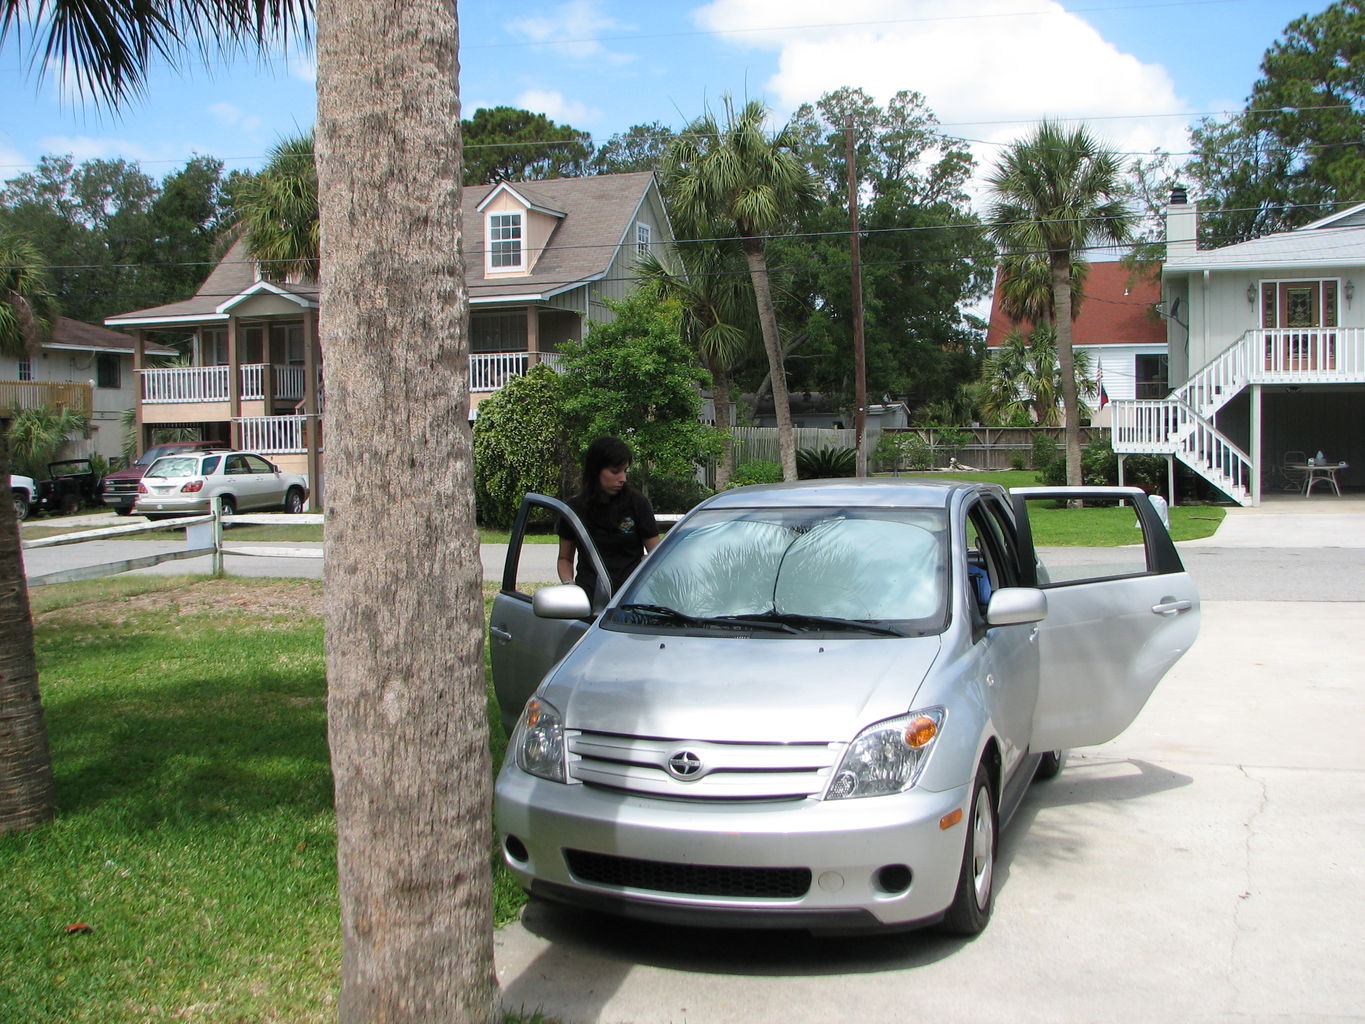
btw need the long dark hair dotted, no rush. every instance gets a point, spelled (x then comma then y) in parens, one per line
(604, 453)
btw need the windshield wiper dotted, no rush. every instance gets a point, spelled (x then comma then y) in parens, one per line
(672, 615)
(797, 620)
(659, 611)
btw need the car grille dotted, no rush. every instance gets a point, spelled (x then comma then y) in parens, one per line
(725, 771)
(689, 879)
(121, 486)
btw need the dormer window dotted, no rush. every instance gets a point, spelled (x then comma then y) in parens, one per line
(504, 241)
(642, 233)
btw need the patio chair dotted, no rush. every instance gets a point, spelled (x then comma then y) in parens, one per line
(1292, 470)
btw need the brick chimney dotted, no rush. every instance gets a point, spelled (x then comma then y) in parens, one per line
(1182, 224)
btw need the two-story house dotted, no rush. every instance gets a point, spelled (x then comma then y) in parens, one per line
(84, 368)
(1267, 355)
(542, 258)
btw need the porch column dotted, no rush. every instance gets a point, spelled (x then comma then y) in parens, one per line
(1257, 459)
(312, 435)
(139, 361)
(532, 336)
(234, 385)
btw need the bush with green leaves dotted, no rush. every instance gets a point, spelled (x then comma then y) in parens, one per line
(826, 463)
(675, 494)
(36, 437)
(1045, 452)
(759, 471)
(951, 441)
(916, 452)
(1018, 459)
(519, 445)
(635, 378)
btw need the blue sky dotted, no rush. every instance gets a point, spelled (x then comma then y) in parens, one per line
(1138, 70)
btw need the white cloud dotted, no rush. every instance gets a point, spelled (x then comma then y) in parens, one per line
(554, 106)
(90, 147)
(570, 29)
(233, 116)
(304, 66)
(989, 69)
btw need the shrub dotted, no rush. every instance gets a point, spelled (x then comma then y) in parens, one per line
(1045, 452)
(887, 452)
(756, 472)
(825, 463)
(1018, 459)
(951, 441)
(916, 452)
(676, 494)
(519, 446)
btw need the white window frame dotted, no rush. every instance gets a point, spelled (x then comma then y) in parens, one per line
(643, 234)
(497, 247)
(24, 369)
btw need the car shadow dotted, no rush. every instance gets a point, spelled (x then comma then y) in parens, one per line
(589, 954)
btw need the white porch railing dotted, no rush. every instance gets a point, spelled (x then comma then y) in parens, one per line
(165, 385)
(1182, 424)
(489, 371)
(273, 435)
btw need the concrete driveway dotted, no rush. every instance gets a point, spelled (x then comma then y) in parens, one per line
(1205, 866)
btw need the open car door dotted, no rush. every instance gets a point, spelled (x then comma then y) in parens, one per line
(522, 646)
(1118, 617)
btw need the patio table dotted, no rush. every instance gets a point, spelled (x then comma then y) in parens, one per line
(1317, 472)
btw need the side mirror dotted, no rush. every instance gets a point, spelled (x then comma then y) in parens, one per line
(565, 601)
(1016, 606)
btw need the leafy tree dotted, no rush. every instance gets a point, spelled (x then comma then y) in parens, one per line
(717, 318)
(923, 253)
(635, 378)
(519, 445)
(36, 435)
(1054, 193)
(641, 147)
(508, 144)
(279, 210)
(1293, 154)
(27, 312)
(735, 174)
(1022, 380)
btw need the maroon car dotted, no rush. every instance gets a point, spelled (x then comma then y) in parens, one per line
(120, 486)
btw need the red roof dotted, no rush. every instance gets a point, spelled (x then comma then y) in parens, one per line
(1116, 311)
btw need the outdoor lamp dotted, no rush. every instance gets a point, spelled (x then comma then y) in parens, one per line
(1251, 293)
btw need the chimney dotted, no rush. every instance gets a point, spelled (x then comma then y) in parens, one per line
(1182, 224)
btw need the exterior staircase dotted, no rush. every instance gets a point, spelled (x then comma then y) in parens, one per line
(1183, 424)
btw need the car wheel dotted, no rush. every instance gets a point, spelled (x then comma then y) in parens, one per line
(293, 501)
(1051, 765)
(20, 506)
(118, 511)
(971, 907)
(228, 504)
(71, 504)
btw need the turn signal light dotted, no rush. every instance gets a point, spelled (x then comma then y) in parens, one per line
(920, 732)
(950, 819)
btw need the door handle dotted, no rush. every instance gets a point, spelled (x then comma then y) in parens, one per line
(1170, 606)
(1033, 635)
(499, 633)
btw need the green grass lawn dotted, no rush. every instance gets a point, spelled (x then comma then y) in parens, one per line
(195, 834)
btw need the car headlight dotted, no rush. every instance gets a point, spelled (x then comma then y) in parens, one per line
(887, 757)
(540, 746)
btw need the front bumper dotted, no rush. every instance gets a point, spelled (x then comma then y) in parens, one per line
(871, 862)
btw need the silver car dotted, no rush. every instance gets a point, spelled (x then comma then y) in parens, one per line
(186, 484)
(815, 704)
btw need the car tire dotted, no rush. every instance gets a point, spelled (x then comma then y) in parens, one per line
(1050, 766)
(293, 501)
(70, 504)
(975, 896)
(119, 511)
(21, 506)
(228, 504)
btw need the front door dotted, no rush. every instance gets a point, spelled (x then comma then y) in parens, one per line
(1300, 319)
(522, 646)
(1118, 617)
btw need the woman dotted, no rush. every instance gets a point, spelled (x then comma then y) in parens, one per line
(618, 518)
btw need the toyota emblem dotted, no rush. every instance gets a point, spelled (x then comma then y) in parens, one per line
(685, 766)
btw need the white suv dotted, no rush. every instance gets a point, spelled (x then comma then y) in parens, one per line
(186, 484)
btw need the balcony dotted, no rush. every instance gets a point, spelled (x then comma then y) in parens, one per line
(179, 385)
(36, 394)
(489, 371)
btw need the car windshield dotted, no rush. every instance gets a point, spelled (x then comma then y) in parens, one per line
(174, 466)
(791, 571)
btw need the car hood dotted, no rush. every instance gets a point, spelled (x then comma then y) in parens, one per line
(737, 689)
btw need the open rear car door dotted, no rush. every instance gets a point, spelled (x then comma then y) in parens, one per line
(523, 646)
(1118, 617)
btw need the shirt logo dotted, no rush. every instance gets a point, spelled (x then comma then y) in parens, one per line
(627, 525)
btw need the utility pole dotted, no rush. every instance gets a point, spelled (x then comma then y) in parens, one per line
(859, 357)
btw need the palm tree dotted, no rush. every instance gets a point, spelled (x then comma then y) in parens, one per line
(1055, 193)
(1023, 378)
(27, 313)
(1026, 287)
(279, 211)
(735, 174)
(717, 317)
(407, 717)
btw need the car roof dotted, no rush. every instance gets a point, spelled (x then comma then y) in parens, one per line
(905, 492)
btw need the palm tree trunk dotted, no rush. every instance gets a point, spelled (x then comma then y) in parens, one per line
(772, 345)
(26, 791)
(1066, 361)
(406, 708)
